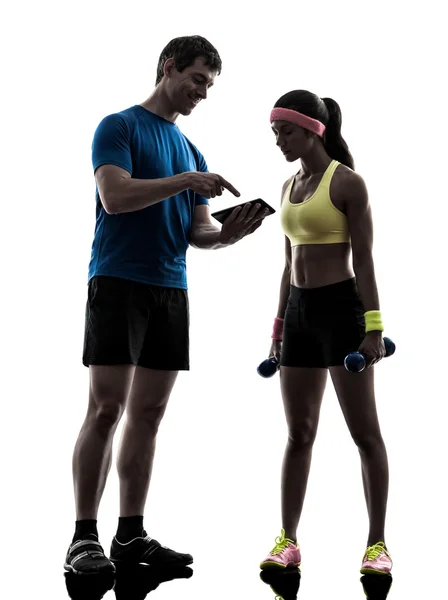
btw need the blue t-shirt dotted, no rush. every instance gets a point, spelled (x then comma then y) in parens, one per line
(149, 245)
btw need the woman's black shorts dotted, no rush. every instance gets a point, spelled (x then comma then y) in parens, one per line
(322, 325)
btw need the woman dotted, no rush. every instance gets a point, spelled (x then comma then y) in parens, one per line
(328, 307)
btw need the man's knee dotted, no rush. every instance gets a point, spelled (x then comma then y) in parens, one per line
(109, 391)
(107, 415)
(151, 390)
(147, 415)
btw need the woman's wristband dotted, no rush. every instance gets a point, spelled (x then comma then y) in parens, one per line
(373, 320)
(277, 331)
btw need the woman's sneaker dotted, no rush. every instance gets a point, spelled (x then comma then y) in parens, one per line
(285, 554)
(86, 557)
(377, 560)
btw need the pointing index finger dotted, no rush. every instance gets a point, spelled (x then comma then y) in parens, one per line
(229, 186)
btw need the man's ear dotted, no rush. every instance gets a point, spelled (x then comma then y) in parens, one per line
(169, 67)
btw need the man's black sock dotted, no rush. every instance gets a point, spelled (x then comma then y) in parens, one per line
(129, 528)
(85, 527)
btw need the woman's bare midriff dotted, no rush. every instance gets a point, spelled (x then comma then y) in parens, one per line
(316, 265)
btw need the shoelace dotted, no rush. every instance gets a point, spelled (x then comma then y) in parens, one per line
(374, 551)
(281, 543)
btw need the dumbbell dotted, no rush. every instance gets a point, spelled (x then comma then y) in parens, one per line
(268, 367)
(355, 362)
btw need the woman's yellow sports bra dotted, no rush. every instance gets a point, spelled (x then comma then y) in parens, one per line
(317, 220)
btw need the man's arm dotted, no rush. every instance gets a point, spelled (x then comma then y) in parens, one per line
(243, 221)
(204, 234)
(112, 163)
(121, 193)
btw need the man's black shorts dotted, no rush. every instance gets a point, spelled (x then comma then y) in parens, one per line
(134, 323)
(322, 325)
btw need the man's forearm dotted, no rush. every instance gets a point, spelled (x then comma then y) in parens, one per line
(132, 195)
(207, 237)
(366, 283)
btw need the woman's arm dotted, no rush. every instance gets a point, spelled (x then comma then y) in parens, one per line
(360, 224)
(286, 276)
(285, 281)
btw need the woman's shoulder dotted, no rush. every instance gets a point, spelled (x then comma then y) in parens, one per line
(348, 181)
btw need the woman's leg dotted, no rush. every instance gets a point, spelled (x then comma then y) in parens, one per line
(356, 396)
(302, 391)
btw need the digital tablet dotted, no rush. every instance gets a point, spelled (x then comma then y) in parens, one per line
(222, 215)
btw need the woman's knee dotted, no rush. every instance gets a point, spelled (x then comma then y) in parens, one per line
(302, 435)
(302, 391)
(368, 442)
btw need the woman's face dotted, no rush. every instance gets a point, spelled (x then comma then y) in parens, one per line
(293, 141)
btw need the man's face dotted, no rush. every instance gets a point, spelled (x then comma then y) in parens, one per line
(188, 88)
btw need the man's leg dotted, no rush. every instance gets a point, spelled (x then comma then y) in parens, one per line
(92, 457)
(148, 400)
(114, 334)
(164, 353)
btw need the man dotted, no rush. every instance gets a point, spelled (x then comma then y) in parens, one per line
(152, 203)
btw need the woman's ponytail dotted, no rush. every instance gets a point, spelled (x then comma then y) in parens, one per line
(334, 143)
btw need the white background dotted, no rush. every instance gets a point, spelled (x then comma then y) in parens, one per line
(215, 488)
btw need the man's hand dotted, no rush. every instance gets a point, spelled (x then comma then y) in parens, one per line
(209, 185)
(242, 222)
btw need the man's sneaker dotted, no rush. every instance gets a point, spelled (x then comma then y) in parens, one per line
(86, 557)
(377, 560)
(285, 554)
(145, 550)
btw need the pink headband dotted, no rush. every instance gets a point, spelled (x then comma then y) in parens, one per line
(292, 116)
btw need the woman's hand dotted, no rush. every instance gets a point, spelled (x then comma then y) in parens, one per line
(373, 347)
(276, 349)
